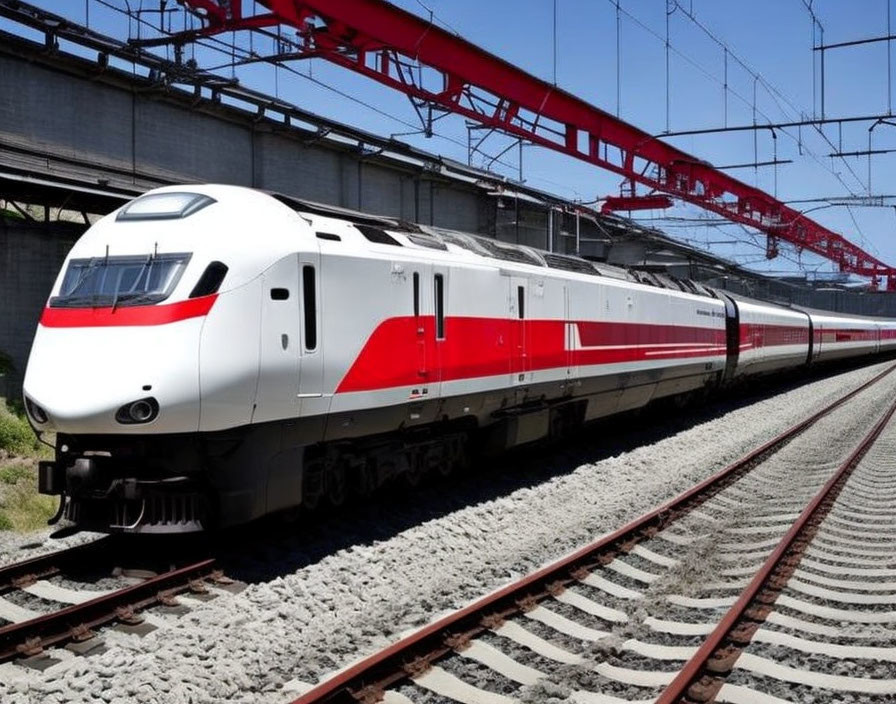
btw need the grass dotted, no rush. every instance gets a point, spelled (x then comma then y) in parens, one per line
(16, 435)
(22, 509)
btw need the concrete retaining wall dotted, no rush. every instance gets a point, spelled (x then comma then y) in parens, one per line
(30, 259)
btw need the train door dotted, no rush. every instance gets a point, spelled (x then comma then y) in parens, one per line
(572, 371)
(422, 296)
(436, 363)
(310, 309)
(519, 299)
(278, 378)
(732, 337)
(811, 338)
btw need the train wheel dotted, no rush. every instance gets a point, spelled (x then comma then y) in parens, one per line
(442, 462)
(365, 479)
(413, 475)
(455, 457)
(310, 502)
(312, 488)
(337, 484)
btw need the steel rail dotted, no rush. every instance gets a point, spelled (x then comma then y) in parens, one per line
(720, 650)
(49, 564)
(367, 679)
(76, 622)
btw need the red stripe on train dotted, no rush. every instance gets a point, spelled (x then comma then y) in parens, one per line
(753, 336)
(846, 335)
(403, 351)
(127, 315)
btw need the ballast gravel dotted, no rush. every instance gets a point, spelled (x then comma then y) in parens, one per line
(19, 546)
(349, 585)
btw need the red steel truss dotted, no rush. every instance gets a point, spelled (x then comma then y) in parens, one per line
(439, 69)
(649, 202)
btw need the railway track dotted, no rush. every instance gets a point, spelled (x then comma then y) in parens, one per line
(37, 611)
(862, 490)
(649, 611)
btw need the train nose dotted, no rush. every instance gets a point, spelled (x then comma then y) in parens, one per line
(115, 380)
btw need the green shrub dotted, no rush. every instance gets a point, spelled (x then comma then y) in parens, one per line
(16, 436)
(14, 473)
(22, 509)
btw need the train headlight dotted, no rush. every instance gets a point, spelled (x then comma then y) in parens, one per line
(141, 411)
(38, 414)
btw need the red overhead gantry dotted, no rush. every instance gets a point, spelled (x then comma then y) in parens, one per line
(441, 70)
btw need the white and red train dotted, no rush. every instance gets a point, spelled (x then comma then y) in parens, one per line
(210, 354)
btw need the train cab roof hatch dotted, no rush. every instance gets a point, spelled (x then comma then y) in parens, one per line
(164, 206)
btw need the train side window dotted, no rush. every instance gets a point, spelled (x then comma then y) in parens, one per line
(309, 298)
(440, 306)
(416, 294)
(520, 302)
(377, 235)
(210, 281)
(279, 294)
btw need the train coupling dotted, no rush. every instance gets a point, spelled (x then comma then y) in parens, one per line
(50, 478)
(53, 478)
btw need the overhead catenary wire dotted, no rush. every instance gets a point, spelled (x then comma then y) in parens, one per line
(742, 233)
(744, 100)
(773, 92)
(781, 100)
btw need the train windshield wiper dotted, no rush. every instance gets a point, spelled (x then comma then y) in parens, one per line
(137, 298)
(93, 300)
(122, 280)
(86, 274)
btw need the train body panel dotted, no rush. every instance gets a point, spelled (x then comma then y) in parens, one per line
(82, 376)
(771, 338)
(838, 336)
(887, 335)
(229, 355)
(209, 354)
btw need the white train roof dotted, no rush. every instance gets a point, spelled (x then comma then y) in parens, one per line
(249, 230)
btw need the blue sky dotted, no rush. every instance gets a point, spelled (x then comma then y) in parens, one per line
(772, 37)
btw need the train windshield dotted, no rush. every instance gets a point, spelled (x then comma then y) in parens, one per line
(120, 281)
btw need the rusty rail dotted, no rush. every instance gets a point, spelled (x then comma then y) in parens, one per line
(51, 563)
(701, 677)
(367, 679)
(77, 621)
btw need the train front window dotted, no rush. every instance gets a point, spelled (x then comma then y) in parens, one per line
(120, 281)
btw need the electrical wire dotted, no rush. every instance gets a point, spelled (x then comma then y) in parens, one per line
(434, 17)
(773, 92)
(743, 234)
(744, 100)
